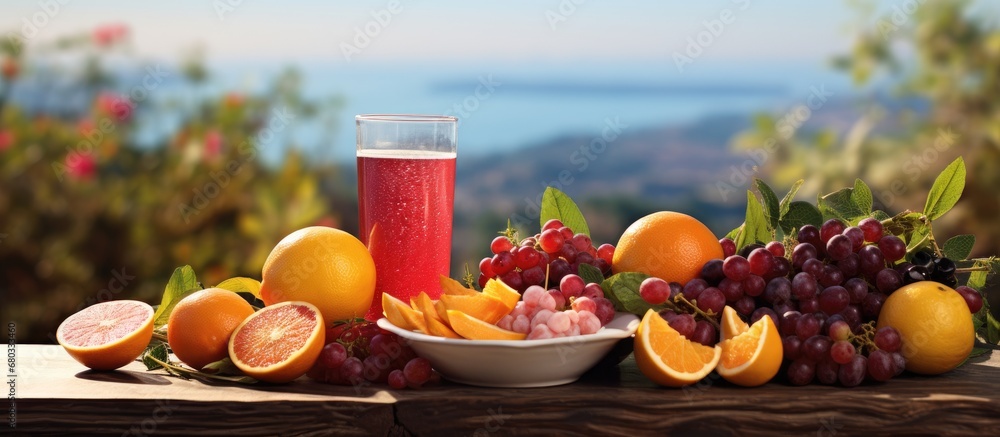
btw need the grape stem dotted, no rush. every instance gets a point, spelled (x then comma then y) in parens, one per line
(183, 372)
(707, 316)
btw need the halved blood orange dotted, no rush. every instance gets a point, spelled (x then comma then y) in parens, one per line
(107, 335)
(278, 343)
(667, 357)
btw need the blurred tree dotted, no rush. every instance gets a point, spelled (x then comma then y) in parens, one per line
(943, 54)
(87, 215)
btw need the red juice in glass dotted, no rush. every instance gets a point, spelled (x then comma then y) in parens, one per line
(406, 190)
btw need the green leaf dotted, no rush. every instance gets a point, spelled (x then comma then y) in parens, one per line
(591, 274)
(880, 215)
(800, 213)
(946, 191)
(557, 205)
(977, 279)
(786, 202)
(733, 234)
(977, 351)
(182, 283)
(992, 329)
(158, 351)
(623, 290)
(241, 285)
(755, 225)
(771, 209)
(862, 196)
(959, 247)
(841, 204)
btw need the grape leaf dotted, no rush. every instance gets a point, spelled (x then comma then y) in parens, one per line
(755, 225)
(623, 291)
(861, 195)
(182, 283)
(241, 285)
(590, 274)
(800, 213)
(841, 204)
(959, 247)
(946, 191)
(786, 202)
(558, 205)
(771, 208)
(158, 351)
(880, 215)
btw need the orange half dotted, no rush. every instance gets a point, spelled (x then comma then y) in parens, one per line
(753, 357)
(280, 342)
(107, 335)
(668, 358)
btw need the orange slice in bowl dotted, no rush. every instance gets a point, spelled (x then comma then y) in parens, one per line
(401, 315)
(481, 306)
(280, 342)
(502, 292)
(438, 328)
(732, 324)
(425, 305)
(667, 357)
(753, 357)
(452, 287)
(475, 329)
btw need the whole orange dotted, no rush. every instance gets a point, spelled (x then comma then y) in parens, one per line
(201, 323)
(668, 245)
(934, 325)
(326, 267)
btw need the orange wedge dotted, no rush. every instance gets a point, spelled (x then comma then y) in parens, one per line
(753, 357)
(442, 312)
(732, 324)
(401, 315)
(424, 304)
(667, 358)
(502, 292)
(481, 306)
(436, 327)
(452, 287)
(475, 329)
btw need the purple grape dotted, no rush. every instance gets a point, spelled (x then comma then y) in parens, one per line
(850, 265)
(792, 347)
(801, 372)
(711, 272)
(887, 338)
(784, 307)
(704, 333)
(810, 305)
(745, 305)
(754, 285)
(833, 300)
(807, 326)
(852, 315)
(892, 247)
(872, 305)
(761, 261)
(683, 324)
(776, 248)
(787, 322)
(831, 228)
(872, 229)
(711, 299)
(881, 365)
(780, 268)
(808, 234)
(839, 247)
(857, 237)
(899, 363)
(736, 268)
(842, 352)
(973, 299)
(831, 276)
(838, 330)
(804, 286)
(802, 253)
(827, 371)
(853, 373)
(732, 290)
(857, 288)
(761, 312)
(693, 288)
(816, 348)
(888, 280)
(872, 260)
(813, 267)
(778, 290)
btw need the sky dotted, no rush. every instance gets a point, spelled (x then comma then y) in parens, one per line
(512, 30)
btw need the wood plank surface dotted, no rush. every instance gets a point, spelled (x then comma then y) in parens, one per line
(57, 396)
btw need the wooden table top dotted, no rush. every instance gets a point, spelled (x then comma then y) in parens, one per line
(56, 395)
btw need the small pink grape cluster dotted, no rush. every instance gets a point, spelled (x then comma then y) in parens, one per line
(575, 308)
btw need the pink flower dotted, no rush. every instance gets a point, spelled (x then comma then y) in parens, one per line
(80, 166)
(213, 144)
(6, 139)
(115, 105)
(109, 34)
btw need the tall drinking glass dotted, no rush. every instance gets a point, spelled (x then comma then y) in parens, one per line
(406, 191)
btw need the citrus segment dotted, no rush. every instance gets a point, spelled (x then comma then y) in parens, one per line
(452, 287)
(326, 267)
(752, 357)
(107, 335)
(669, 359)
(934, 325)
(668, 245)
(425, 305)
(437, 328)
(475, 329)
(502, 292)
(278, 343)
(201, 323)
(481, 306)
(732, 324)
(401, 315)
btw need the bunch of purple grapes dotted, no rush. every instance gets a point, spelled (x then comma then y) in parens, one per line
(359, 353)
(556, 251)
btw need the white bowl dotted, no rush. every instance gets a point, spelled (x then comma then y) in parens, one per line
(517, 363)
